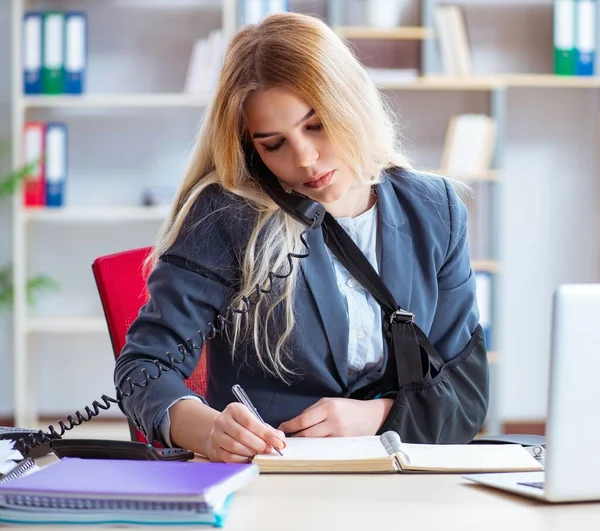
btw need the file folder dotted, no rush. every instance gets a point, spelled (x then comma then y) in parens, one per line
(53, 66)
(278, 6)
(564, 37)
(32, 53)
(56, 164)
(585, 37)
(253, 11)
(75, 52)
(34, 185)
(484, 288)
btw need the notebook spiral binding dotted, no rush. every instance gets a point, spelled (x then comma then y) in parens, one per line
(90, 504)
(32, 440)
(20, 470)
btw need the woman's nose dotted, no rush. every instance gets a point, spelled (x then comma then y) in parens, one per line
(306, 155)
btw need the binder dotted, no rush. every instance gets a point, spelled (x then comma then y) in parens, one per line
(585, 37)
(564, 37)
(278, 6)
(56, 164)
(253, 11)
(75, 52)
(484, 289)
(34, 186)
(32, 53)
(53, 64)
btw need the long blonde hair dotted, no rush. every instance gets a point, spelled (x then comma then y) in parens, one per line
(302, 53)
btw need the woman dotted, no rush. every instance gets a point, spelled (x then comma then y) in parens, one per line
(314, 354)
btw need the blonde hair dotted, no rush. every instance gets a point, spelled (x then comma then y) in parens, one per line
(302, 53)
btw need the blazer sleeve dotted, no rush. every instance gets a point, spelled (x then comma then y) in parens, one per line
(451, 406)
(190, 284)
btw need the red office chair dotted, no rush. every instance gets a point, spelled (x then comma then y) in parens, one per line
(122, 288)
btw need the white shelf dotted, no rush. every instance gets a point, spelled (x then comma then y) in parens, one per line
(95, 214)
(66, 325)
(399, 33)
(112, 101)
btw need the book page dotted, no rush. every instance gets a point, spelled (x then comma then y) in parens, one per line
(8, 456)
(330, 449)
(465, 457)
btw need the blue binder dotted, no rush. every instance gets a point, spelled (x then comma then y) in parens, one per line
(585, 37)
(32, 53)
(56, 164)
(485, 299)
(75, 52)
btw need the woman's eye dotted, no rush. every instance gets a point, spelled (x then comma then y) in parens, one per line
(273, 147)
(315, 127)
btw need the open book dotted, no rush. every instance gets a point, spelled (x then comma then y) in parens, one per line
(388, 454)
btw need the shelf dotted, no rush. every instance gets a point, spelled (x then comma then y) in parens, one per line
(95, 214)
(98, 101)
(444, 83)
(491, 266)
(66, 325)
(489, 176)
(401, 33)
(550, 80)
(431, 82)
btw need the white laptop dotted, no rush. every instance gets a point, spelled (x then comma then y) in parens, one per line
(572, 461)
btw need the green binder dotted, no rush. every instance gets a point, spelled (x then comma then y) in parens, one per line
(53, 53)
(564, 37)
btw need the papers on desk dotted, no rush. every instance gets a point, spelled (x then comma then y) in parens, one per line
(369, 454)
(8, 456)
(104, 491)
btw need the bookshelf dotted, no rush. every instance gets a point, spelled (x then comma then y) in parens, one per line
(138, 104)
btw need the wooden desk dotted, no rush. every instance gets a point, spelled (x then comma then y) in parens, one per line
(388, 502)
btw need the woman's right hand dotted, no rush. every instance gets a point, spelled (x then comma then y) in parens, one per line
(237, 436)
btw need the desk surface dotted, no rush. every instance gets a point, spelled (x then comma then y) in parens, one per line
(388, 502)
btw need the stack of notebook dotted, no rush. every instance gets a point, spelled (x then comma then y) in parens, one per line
(102, 491)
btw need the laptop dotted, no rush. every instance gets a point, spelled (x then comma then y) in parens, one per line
(572, 458)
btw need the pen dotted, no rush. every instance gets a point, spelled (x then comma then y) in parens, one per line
(242, 397)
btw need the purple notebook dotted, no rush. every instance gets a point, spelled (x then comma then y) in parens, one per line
(105, 479)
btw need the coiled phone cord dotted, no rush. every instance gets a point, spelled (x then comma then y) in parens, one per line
(32, 440)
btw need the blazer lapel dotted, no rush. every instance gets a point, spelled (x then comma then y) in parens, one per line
(396, 262)
(320, 277)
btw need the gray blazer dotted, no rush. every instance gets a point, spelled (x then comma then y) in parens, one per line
(423, 259)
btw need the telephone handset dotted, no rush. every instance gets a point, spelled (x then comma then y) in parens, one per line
(34, 443)
(300, 207)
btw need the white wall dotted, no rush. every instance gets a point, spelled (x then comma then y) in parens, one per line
(549, 229)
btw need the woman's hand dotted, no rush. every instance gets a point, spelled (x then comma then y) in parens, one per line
(237, 436)
(339, 417)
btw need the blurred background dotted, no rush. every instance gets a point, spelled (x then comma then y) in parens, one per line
(100, 101)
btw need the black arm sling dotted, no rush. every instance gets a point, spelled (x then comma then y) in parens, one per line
(411, 354)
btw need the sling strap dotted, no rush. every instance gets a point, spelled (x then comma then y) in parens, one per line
(409, 345)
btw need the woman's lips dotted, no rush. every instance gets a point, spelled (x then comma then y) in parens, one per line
(320, 182)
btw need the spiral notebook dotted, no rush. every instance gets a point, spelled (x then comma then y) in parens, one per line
(104, 491)
(388, 454)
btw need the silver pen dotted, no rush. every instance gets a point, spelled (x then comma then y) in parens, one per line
(242, 397)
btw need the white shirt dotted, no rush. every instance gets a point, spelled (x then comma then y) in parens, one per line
(365, 340)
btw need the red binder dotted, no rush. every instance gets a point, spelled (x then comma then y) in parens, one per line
(34, 186)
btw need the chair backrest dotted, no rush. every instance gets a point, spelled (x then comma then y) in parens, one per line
(122, 288)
